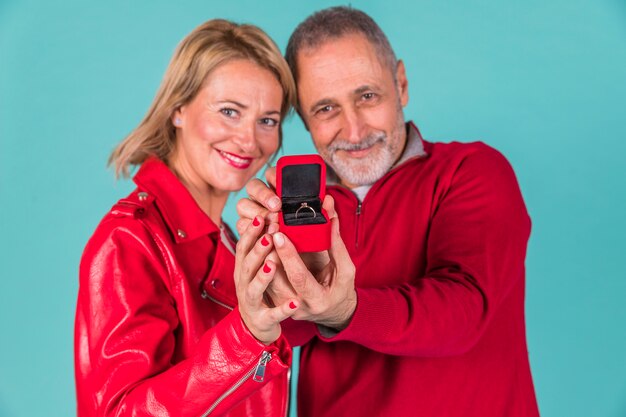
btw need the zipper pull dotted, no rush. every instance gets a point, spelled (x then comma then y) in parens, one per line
(259, 372)
(358, 209)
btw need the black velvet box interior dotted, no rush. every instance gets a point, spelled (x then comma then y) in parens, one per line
(301, 184)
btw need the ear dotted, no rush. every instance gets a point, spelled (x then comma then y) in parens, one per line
(177, 117)
(402, 84)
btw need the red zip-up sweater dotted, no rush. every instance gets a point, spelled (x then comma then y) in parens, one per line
(439, 245)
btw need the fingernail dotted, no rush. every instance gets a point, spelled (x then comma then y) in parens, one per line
(279, 239)
(274, 202)
(256, 222)
(292, 305)
(264, 241)
(266, 269)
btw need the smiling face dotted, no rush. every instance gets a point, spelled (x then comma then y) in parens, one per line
(352, 106)
(229, 130)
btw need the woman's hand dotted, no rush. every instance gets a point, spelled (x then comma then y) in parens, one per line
(254, 271)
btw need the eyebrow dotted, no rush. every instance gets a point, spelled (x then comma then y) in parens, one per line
(364, 88)
(243, 106)
(236, 103)
(327, 101)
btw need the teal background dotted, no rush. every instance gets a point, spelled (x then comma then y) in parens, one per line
(542, 81)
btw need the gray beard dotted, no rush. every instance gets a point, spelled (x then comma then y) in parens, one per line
(362, 171)
(368, 170)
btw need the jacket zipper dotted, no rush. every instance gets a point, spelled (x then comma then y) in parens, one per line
(357, 221)
(288, 392)
(257, 373)
(374, 188)
(206, 296)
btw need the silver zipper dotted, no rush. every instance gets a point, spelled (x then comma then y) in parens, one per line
(258, 371)
(357, 221)
(206, 296)
(288, 392)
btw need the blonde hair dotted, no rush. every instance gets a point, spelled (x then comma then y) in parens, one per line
(211, 44)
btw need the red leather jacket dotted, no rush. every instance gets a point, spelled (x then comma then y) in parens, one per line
(156, 331)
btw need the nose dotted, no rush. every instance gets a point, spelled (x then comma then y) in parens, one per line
(246, 137)
(353, 125)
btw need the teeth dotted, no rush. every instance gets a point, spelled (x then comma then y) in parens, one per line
(235, 158)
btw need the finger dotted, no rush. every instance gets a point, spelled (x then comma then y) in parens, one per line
(339, 253)
(273, 256)
(255, 258)
(268, 295)
(246, 241)
(255, 289)
(284, 311)
(272, 228)
(262, 194)
(329, 206)
(280, 288)
(301, 279)
(242, 225)
(247, 209)
(270, 176)
(271, 217)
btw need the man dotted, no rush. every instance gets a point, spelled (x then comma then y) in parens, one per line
(420, 309)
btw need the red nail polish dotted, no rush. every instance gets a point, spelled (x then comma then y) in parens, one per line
(256, 222)
(264, 241)
(266, 268)
(292, 305)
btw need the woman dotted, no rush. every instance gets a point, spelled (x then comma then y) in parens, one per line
(162, 328)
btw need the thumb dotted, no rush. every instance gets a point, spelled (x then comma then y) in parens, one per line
(297, 273)
(329, 206)
(338, 251)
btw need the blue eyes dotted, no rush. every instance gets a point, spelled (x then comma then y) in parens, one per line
(234, 114)
(269, 122)
(228, 112)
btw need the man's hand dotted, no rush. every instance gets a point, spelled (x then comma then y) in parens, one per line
(328, 295)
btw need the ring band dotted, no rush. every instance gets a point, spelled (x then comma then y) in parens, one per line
(306, 206)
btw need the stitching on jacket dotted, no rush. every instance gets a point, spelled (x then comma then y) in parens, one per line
(137, 214)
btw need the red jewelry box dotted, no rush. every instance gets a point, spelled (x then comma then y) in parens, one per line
(301, 186)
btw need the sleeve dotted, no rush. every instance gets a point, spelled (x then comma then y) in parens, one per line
(476, 246)
(298, 332)
(126, 322)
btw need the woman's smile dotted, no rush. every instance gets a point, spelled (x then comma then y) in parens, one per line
(234, 160)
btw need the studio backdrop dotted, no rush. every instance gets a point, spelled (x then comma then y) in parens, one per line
(544, 82)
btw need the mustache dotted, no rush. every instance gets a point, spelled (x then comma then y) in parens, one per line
(367, 142)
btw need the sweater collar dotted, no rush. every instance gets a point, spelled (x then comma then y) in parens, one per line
(182, 214)
(414, 145)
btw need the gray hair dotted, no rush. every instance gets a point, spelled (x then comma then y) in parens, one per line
(334, 23)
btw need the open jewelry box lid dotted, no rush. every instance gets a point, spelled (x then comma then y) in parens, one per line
(301, 177)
